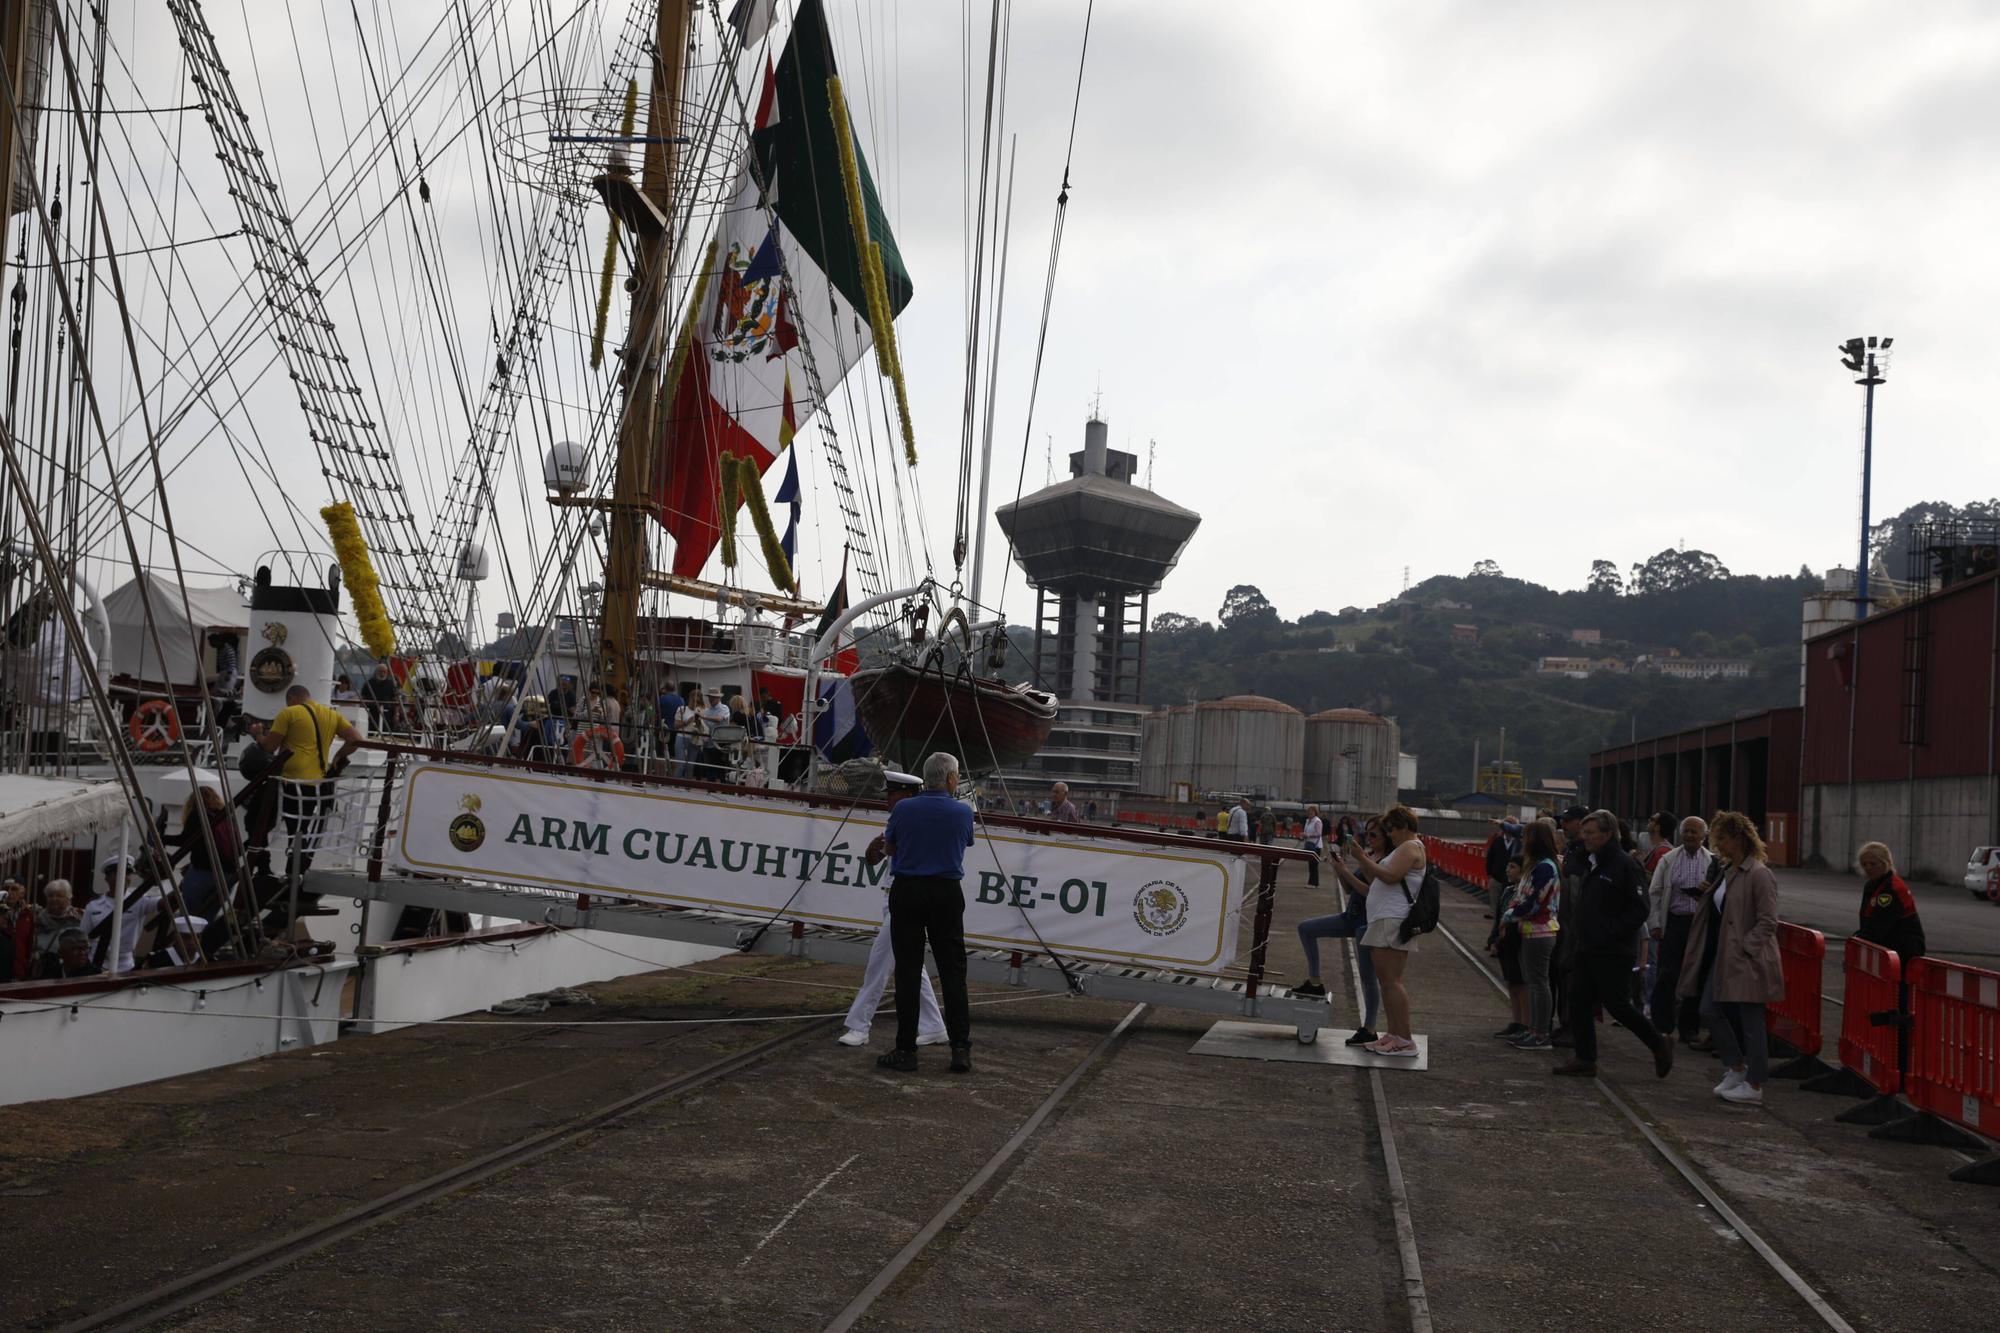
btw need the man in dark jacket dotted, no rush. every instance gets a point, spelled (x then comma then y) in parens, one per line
(1575, 865)
(1502, 847)
(1603, 920)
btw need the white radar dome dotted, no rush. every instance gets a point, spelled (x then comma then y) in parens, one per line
(563, 468)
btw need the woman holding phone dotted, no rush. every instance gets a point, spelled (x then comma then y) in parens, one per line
(1394, 880)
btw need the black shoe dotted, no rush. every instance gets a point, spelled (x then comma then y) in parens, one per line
(1361, 1037)
(1511, 1030)
(1309, 990)
(903, 1062)
(961, 1059)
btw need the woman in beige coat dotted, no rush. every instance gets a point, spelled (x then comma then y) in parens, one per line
(1742, 913)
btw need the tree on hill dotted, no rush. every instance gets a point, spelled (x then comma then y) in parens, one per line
(1889, 540)
(1173, 622)
(1486, 569)
(1604, 578)
(1672, 570)
(1245, 605)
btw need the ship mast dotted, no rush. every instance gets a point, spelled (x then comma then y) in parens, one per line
(646, 211)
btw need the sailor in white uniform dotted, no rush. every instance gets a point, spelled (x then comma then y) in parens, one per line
(882, 958)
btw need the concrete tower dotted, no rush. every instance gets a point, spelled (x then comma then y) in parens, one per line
(1095, 547)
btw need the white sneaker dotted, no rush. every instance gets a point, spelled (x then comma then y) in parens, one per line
(850, 1037)
(1734, 1078)
(1744, 1095)
(932, 1038)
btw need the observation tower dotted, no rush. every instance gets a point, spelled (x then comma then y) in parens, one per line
(1095, 547)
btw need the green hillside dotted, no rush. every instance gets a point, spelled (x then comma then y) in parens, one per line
(1444, 693)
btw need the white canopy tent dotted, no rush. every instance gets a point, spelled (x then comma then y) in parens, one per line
(132, 651)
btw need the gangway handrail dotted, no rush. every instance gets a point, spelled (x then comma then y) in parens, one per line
(825, 800)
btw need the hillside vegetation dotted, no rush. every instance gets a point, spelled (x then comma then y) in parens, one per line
(1401, 660)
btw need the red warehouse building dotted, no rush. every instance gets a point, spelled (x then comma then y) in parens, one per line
(1749, 764)
(1901, 732)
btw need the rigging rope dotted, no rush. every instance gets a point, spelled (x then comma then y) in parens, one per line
(1049, 285)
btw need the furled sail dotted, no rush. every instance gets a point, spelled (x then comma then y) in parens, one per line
(786, 265)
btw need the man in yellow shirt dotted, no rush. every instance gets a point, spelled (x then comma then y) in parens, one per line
(305, 731)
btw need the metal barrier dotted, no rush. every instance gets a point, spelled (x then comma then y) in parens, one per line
(1795, 1019)
(1874, 986)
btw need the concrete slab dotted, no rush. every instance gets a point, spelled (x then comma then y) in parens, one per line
(1261, 1041)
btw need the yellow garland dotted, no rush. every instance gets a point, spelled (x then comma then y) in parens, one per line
(358, 572)
(679, 360)
(760, 516)
(731, 498)
(611, 243)
(874, 285)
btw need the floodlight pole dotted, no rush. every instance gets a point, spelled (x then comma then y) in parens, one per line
(1868, 383)
(1859, 355)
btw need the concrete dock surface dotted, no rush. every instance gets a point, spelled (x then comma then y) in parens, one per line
(1164, 1190)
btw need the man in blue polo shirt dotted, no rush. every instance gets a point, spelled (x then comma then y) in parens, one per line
(926, 838)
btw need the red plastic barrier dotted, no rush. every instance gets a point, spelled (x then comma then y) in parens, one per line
(1796, 1018)
(1874, 976)
(1955, 1046)
(1460, 860)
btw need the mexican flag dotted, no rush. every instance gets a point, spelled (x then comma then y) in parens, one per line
(784, 267)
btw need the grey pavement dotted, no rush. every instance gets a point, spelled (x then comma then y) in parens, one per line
(1955, 924)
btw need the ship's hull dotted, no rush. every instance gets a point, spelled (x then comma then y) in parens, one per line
(910, 713)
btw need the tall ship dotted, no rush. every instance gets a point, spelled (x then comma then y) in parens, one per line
(427, 432)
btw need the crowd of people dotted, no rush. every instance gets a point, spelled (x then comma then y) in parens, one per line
(1672, 935)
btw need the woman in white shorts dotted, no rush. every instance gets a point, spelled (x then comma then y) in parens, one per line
(1395, 880)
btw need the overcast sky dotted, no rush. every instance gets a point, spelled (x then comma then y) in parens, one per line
(1420, 284)
(1399, 284)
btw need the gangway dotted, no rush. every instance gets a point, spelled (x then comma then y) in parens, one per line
(1234, 996)
(1123, 914)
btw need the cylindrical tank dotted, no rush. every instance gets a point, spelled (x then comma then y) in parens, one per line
(1243, 744)
(293, 635)
(1351, 759)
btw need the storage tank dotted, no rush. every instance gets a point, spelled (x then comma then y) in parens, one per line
(1352, 759)
(1244, 744)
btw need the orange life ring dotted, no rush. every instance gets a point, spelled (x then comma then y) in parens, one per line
(154, 726)
(587, 748)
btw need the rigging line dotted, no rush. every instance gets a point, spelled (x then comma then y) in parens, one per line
(993, 378)
(121, 759)
(349, 252)
(91, 537)
(1048, 291)
(137, 250)
(960, 529)
(452, 353)
(124, 111)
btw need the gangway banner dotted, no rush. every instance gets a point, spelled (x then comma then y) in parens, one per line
(766, 855)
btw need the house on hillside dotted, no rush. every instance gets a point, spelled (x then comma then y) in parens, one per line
(1447, 604)
(1465, 634)
(1586, 636)
(1698, 668)
(1576, 668)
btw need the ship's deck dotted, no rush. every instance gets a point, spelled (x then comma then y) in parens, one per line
(1158, 1189)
